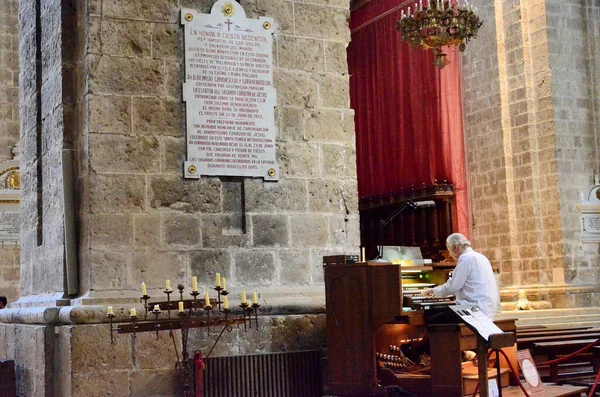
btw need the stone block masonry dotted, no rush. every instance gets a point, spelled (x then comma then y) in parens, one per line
(109, 89)
(136, 136)
(531, 109)
(9, 130)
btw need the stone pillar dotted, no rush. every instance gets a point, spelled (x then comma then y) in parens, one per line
(110, 86)
(9, 130)
(42, 141)
(531, 138)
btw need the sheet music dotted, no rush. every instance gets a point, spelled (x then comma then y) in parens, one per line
(475, 317)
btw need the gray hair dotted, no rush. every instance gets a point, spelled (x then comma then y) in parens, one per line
(457, 239)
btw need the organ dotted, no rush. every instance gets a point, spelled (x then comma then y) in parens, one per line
(377, 337)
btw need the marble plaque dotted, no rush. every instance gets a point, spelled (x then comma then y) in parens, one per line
(10, 196)
(590, 227)
(10, 225)
(229, 93)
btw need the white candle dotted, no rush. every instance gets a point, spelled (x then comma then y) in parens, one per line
(168, 285)
(254, 297)
(194, 284)
(144, 291)
(421, 5)
(156, 308)
(132, 312)
(224, 284)
(243, 296)
(402, 15)
(110, 311)
(206, 299)
(225, 302)
(218, 279)
(409, 11)
(363, 256)
(180, 307)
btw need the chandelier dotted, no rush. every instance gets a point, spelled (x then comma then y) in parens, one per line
(439, 24)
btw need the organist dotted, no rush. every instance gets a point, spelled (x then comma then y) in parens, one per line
(472, 281)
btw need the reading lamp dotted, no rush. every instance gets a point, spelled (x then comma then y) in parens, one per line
(384, 222)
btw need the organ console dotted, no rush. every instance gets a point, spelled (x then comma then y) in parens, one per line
(379, 337)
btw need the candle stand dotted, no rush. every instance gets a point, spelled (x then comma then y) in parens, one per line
(191, 313)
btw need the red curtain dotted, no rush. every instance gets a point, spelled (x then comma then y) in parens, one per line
(408, 112)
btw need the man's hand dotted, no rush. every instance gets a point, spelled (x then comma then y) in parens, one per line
(427, 292)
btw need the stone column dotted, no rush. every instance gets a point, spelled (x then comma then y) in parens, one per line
(9, 129)
(114, 100)
(531, 139)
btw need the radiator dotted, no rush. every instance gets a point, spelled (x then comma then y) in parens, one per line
(294, 374)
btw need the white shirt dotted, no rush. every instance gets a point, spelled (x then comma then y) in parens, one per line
(473, 283)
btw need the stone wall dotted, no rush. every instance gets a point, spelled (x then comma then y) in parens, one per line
(30, 347)
(116, 103)
(574, 37)
(9, 79)
(9, 129)
(148, 368)
(512, 144)
(146, 223)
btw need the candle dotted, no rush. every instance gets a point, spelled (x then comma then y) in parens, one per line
(180, 307)
(132, 312)
(362, 250)
(254, 298)
(224, 281)
(402, 15)
(421, 5)
(225, 302)
(156, 308)
(110, 311)
(206, 299)
(243, 296)
(194, 284)
(408, 11)
(168, 285)
(218, 279)
(144, 291)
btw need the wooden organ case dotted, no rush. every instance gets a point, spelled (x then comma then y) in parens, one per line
(365, 318)
(426, 228)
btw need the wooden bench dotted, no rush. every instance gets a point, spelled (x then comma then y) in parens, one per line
(556, 349)
(556, 331)
(529, 341)
(530, 327)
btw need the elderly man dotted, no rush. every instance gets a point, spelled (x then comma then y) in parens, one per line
(473, 280)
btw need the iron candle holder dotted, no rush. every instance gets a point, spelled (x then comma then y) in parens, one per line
(208, 308)
(144, 298)
(195, 296)
(168, 292)
(156, 312)
(218, 288)
(110, 317)
(134, 318)
(255, 307)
